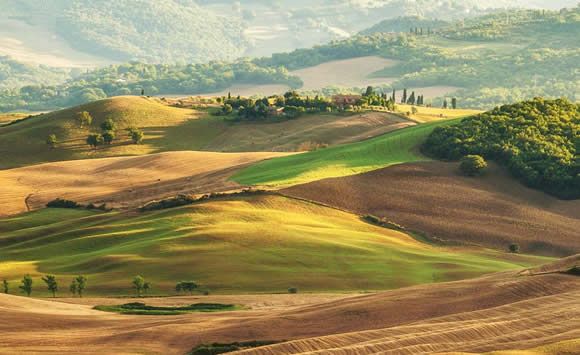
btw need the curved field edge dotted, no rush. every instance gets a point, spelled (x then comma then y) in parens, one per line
(401, 146)
(247, 244)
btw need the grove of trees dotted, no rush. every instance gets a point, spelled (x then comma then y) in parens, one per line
(537, 140)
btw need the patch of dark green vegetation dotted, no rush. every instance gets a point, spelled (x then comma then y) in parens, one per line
(574, 271)
(138, 308)
(537, 140)
(184, 200)
(221, 348)
(63, 203)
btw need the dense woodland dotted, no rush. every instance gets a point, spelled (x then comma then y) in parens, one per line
(523, 54)
(537, 140)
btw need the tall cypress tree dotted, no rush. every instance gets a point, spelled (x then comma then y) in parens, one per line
(404, 98)
(394, 98)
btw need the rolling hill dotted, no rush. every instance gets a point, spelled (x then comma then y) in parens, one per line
(392, 148)
(121, 182)
(264, 243)
(176, 129)
(535, 309)
(434, 199)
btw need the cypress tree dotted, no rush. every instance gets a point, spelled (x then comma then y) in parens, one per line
(404, 98)
(394, 97)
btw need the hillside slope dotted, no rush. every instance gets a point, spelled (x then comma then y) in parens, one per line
(433, 198)
(270, 243)
(121, 182)
(178, 129)
(392, 148)
(502, 311)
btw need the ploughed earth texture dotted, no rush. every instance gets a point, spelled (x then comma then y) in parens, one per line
(432, 198)
(537, 309)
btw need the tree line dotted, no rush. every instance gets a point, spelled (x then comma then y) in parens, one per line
(78, 285)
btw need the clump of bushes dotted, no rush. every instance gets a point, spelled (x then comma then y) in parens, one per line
(472, 165)
(514, 248)
(184, 200)
(382, 222)
(293, 290)
(220, 348)
(63, 203)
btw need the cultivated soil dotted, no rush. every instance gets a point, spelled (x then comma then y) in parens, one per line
(121, 182)
(433, 198)
(508, 310)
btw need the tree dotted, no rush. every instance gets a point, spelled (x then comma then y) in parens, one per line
(472, 165)
(139, 284)
(146, 287)
(454, 103)
(73, 287)
(137, 136)
(414, 110)
(227, 109)
(5, 286)
(26, 285)
(369, 91)
(52, 141)
(411, 99)
(514, 248)
(95, 140)
(394, 97)
(445, 103)
(186, 286)
(81, 283)
(108, 137)
(84, 119)
(108, 125)
(51, 284)
(404, 98)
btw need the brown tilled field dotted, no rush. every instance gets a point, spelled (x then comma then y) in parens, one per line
(509, 310)
(493, 210)
(121, 182)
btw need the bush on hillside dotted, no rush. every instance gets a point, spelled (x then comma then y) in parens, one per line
(537, 140)
(293, 290)
(472, 165)
(62, 203)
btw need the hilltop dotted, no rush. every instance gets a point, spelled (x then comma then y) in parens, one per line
(169, 128)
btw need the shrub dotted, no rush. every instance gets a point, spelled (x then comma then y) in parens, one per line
(62, 203)
(292, 290)
(514, 248)
(472, 165)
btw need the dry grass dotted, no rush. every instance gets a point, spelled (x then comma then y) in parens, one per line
(429, 114)
(121, 182)
(504, 311)
(494, 210)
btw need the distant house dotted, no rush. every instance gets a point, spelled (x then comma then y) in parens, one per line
(275, 111)
(346, 100)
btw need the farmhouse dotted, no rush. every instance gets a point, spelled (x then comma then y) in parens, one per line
(345, 100)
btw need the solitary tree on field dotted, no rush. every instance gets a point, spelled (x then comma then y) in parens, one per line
(108, 125)
(52, 141)
(454, 103)
(81, 284)
(186, 286)
(5, 286)
(51, 284)
(472, 165)
(73, 287)
(95, 140)
(445, 103)
(139, 284)
(146, 287)
(108, 137)
(84, 119)
(514, 248)
(137, 136)
(26, 285)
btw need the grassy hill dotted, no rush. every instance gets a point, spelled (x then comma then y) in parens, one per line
(173, 129)
(393, 148)
(251, 244)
